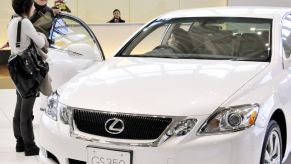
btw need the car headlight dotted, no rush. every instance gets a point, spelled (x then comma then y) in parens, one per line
(52, 106)
(182, 128)
(235, 118)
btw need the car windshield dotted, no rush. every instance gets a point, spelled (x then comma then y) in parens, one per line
(213, 38)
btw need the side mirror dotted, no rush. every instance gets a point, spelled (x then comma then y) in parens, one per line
(82, 50)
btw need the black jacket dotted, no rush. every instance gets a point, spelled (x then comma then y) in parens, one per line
(114, 20)
(42, 19)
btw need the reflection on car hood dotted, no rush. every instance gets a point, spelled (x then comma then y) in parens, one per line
(174, 87)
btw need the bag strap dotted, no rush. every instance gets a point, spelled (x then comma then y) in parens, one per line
(18, 33)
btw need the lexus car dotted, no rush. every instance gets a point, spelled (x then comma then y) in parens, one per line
(197, 86)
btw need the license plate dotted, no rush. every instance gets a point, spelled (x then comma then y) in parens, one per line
(108, 156)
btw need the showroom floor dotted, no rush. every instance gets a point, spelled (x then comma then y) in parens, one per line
(7, 142)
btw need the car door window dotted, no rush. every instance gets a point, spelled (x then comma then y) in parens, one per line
(71, 35)
(286, 35)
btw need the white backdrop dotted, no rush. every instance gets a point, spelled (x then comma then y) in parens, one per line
(272, 3)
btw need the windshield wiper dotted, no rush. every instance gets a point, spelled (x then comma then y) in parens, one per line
(208, 58)
(248, 59)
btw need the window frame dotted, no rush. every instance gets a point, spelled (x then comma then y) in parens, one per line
(83, 24)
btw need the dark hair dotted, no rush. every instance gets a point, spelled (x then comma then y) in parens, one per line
(184, 41)
(22, 6)
(116, 10)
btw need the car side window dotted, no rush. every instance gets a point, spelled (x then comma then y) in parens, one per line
(286, 35)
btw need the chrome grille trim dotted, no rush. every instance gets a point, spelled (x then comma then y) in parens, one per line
(75, 133)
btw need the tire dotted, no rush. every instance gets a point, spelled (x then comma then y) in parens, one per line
(269, 156)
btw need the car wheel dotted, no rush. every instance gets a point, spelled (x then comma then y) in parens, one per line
(272, 147)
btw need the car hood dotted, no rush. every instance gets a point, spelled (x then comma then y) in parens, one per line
(170, 87)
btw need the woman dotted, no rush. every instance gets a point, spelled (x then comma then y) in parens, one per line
(116, 17)
(22, 120)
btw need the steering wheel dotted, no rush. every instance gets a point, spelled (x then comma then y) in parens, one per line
(165, 47)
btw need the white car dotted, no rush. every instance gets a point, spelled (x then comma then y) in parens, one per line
(222, 99)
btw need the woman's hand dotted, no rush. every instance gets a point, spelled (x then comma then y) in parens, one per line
(56, 11)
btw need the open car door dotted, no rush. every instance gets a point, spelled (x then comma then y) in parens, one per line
(73, 48)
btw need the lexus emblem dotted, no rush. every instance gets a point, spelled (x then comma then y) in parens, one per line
(114, 126)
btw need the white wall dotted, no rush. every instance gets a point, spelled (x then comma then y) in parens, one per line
(272, 3)
(133, 11)
(5, 15)
(100, 11)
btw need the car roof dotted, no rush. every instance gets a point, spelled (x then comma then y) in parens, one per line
(233, 11)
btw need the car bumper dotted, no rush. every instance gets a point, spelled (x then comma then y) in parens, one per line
(233, 148)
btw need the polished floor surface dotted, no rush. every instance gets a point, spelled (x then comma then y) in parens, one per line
(7, 142)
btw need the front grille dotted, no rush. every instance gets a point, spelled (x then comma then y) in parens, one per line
(135, 127)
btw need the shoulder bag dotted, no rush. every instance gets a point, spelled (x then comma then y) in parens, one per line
(27, 69)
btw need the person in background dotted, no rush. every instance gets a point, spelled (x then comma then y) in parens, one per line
(116, 17)
(22, 120)
(61, 5)
(43, 17)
